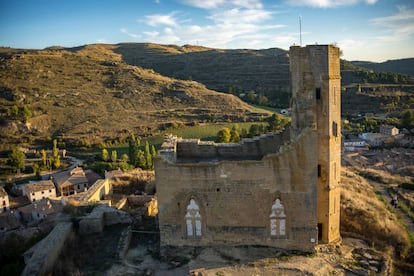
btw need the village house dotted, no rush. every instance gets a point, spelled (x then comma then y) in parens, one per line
(39, 190)
(4, 200)
(40, 210)
(389, 130)
(374, 139)
(70, 182)
(355, 144)
(9, 222)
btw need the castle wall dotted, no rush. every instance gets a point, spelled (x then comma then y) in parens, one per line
(279, 190)
(236, 197)
(248, 148)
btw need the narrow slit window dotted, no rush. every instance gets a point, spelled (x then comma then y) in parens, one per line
(335, 129)
(318, 93)
(319, 170)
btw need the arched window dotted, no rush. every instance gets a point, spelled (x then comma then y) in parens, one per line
(277, 220)
(193, 220)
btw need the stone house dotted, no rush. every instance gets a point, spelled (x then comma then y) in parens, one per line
(279, 189)
(70, 182)
(40, 210)
(389, 130)
(4, 200)
(9, 222)
(39, 190)
(374, 139)
(354, 144)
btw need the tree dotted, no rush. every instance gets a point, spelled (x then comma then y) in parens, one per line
(235, 134)
(26, 113)
(105, 155)
(254, 130)
(153, 151)
(56, 162)
(140, 159)
(114, 156)
(276, 122)
(148, 157)
(223, 136)
(407, 119)
(244, 133)
(55, 155)
(251, 96)
(16, 159)
(124, 158)
(44, 158)
(263, 100)
(133, 147)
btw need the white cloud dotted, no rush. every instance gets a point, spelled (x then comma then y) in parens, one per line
(161, 19)
(399, 26)
(231, 23)
(213, 4)
(134, 36)
(152, 34)
(237, 15)
(328, 3)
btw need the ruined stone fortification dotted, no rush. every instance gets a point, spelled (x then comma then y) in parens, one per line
(278, 190)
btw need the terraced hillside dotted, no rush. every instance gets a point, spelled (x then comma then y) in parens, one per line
(263, 71)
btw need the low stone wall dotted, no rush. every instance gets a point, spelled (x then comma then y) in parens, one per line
(249, 148)
(100, 217)
(123, 243)
(47, 251)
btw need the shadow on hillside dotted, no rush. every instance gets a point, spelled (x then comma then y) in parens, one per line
(216, 68)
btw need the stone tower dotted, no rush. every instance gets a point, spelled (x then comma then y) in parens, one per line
(316, 87)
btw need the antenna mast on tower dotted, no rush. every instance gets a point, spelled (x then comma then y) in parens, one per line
(300, 30)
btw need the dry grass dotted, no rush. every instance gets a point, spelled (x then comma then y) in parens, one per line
(90, 93)
(365, 215)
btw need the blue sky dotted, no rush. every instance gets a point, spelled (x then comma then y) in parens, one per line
(375, 30)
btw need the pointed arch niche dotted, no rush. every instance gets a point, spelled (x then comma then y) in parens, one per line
(277, 220)
(193, 220)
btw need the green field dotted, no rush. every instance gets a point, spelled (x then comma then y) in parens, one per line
(205, 132)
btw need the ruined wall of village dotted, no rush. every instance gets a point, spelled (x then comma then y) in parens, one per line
(236, 186)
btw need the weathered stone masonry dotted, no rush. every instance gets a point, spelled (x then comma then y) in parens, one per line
(278, 190)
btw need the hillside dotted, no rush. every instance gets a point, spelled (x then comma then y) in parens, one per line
(402, 66)
(96, 92)
(89, 92)
(264, 71)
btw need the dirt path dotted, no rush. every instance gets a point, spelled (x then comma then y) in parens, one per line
(382, 189)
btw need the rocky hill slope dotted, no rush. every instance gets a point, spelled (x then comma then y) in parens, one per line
(90, 92)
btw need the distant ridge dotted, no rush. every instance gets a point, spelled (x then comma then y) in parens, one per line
(401, 66)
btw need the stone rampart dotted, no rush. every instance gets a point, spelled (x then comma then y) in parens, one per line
(248, 149)
(47, 251)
